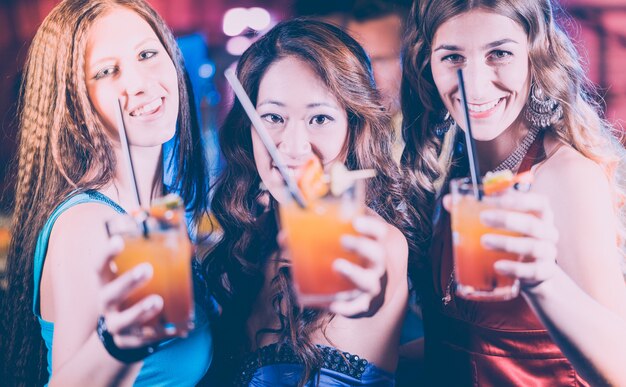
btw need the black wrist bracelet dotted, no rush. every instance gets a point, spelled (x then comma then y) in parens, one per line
(127, 356)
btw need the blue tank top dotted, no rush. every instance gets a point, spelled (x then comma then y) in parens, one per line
(176, 362)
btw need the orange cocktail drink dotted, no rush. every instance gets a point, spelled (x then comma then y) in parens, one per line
(313, 239)
(475, 276)
(168, 249)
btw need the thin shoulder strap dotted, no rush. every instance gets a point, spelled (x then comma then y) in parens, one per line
(536, 154)
(41, 247)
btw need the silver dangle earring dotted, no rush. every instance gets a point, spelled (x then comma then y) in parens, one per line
(542, 110)
(442, 127)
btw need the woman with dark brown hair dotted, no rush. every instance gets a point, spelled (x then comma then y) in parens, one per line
(312, 85)
(87, 55)
(531, 110)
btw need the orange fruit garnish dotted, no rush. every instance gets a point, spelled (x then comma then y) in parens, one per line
(311, 180)
(497, 182)
(167, 209)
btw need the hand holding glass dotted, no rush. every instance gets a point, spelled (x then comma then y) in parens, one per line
(167, 248)
(313, 239)
(476, 278)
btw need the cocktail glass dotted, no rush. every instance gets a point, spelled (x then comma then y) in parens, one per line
(166, 246)
(476, 278)
(313, 240)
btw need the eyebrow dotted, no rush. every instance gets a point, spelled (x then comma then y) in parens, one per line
(485, 47)
(318, 104)
(499, 43)
(309, 106)
(141, 43)
(271, 102)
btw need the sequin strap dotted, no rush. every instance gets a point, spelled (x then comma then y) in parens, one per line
(535, 154)
(332, 359)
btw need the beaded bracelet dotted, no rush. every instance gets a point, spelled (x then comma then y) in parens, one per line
(127, 356)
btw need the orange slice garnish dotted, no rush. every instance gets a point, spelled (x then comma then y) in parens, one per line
(498, 182)
(311, 180)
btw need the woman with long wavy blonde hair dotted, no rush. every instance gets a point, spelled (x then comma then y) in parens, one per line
(531, 108)
(87, 55)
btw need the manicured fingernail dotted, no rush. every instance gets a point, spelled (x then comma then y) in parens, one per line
(489, 241)
(522, 187)
(341, 265)
(142, 271)
(117, 243)
(348, 242)
(153, 303)
(502, 266)
(487, 217)
(359, 224)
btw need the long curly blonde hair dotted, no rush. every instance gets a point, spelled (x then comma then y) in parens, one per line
(555, 67)
(63, 147)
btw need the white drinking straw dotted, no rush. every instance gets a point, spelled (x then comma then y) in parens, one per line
(258, 125)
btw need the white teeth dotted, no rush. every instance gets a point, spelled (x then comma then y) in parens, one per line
(483, 107)
(148, 108)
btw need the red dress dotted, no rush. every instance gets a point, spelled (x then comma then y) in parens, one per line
(484, 343)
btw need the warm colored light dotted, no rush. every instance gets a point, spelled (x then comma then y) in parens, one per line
(235, 21)
(237, 45)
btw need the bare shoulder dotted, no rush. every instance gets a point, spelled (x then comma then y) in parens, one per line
(80, 227)
(73, 259)
(573, 178)
(76, 242)
(397, 245)
(581, 198)
(397, 265)
(579, 192)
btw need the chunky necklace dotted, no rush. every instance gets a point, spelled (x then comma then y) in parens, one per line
(511, 163)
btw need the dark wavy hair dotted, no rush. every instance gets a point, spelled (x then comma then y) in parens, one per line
(555, 66)
(63, 147)
(235, 268)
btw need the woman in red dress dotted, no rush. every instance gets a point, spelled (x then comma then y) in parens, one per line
(531, 110)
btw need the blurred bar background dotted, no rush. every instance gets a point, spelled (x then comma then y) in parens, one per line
(212, 33)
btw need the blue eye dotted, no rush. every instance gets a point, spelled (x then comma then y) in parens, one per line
(105, 72)
(147, 54)
(500, 55)
(273, 118)
(320, 119)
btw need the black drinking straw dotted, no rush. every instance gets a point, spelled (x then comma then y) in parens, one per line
(121, 128)
(469, 141)
(258, 125)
